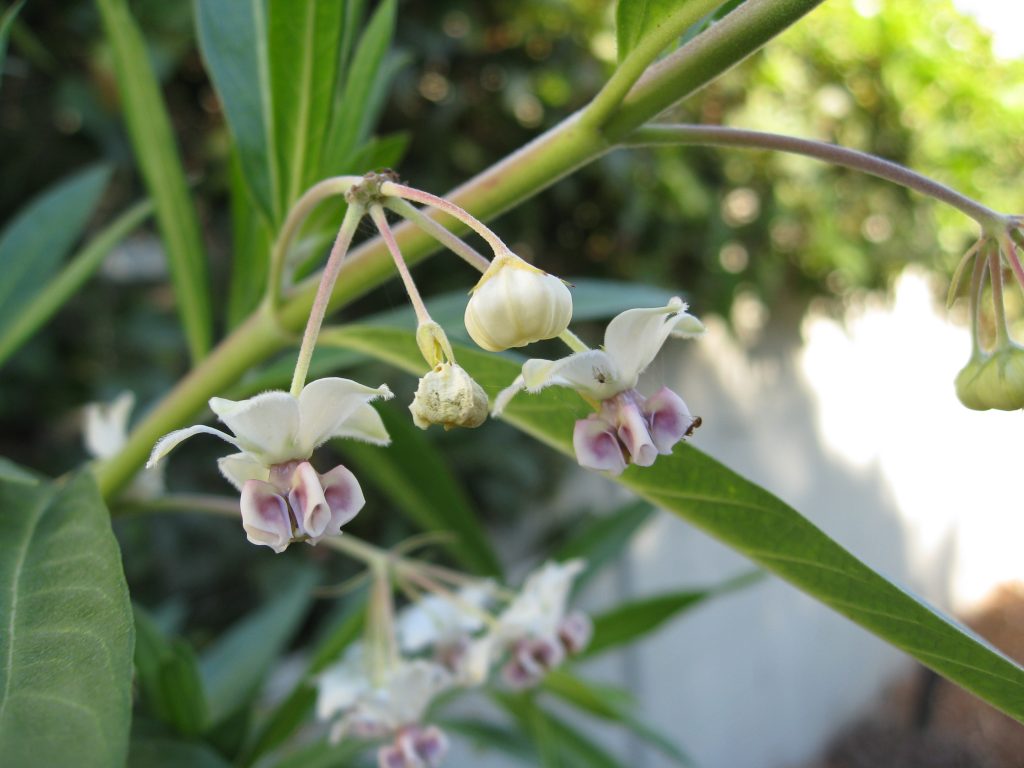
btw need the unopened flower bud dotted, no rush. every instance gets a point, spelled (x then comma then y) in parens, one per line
(449, 396)
(433, 343)
(995, 382)
(515, 304)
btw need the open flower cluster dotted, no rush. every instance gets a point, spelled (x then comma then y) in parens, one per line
(450, 641)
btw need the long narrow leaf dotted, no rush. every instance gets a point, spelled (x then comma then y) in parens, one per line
(251, 242)
(233, 41)
(39, 237)
(604, 539)
(752, 521)
(6, 20)
(50, 299)
(157, 154)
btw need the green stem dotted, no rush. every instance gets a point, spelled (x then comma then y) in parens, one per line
(629, 71)
(995, 271)
(439, 232)
(720, 136)
(977, 289)
(79, 269)
(556, 153)
(328, 278)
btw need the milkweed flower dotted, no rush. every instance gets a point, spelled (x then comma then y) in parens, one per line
(105, 432)
(514, 304)
(626, 427)
(283, 499)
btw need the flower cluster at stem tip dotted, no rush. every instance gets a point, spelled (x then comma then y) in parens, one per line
(284, 499)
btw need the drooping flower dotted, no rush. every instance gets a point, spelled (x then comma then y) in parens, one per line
(627, 426)
(514, 304)
(283, 499)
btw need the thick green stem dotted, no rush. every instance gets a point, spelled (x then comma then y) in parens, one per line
(720, 136)
(539, 164)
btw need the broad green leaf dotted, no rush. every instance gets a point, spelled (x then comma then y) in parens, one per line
(411, 473)
(168, 677)
(35, 242)
(483, 735)
(304, 38)
(251, 243)
(531, 721)
(233, 41)
(601, 540)
(45, 304)
(168, 753)
(630, 621)
(614, 704)
(750, 520)
(352, 116)
(66, 643)
(6, 20)
(234, 668)
(14, 473)
(157, 155)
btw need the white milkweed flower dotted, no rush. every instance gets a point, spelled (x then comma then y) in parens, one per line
(283, 499)
(627, 426)
(105, 432)
(514, 304)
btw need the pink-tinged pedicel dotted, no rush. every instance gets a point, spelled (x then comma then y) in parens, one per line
(597, 446)
(669, 418)
(265, 516)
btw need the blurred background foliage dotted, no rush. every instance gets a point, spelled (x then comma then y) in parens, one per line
(732, 229)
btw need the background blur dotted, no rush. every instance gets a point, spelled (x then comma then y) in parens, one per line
(827, 376)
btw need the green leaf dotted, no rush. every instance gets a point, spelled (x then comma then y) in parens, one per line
(153, 140)
(304, 40)
(35, 242)
(352, 115)
(601, 540)
(251, 243)
(635, 19)
(484, 735)
(168, 753)
(14, 473)
(234, 668)
(750, 520)
(66, 643)
(168, 677)
(630, 621)
(324, 755)
(45, 304)
(411, 473)
(6, 20)
(232, 38)
(614, 704)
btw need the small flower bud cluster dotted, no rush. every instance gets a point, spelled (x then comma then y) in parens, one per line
(531, 658)
(414, 747)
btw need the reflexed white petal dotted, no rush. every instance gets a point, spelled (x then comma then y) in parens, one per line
(476, 663)
(169, 442)
(325, 404)
(364, 424)
(634, 435)
(538, 608)
(634, 338)
(265, 516)
(106, 425)
(342, 684)
(592, 372)
(308, 501)
(669, 419)
(344, 497)
(239, 467)
(267, 425)
(506, 395)
(597, 447)
(412, 687)
(435, 619)
(687, 327)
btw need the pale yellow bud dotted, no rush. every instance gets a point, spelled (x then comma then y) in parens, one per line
(449, 396)
(995, 382)
(515, 304)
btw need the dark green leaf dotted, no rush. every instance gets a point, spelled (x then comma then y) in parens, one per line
(411, 473)
(167, 753)
(630, 621)
(601, 540)
(324, 755)
(251, 243)
(168, 677)
(233, 41)
(6, 20)
(352, 115)
(44, 304)
(304, 39)
(157, 155)
(66, 644)
(234, 668)
(749, 519)
(484, 735)
(36, 241)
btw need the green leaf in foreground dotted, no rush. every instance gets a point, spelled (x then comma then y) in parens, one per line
(66, 638)
(33, 245)
(750, 520)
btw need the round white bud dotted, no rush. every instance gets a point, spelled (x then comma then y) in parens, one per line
(515, 304)
(449, 396)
